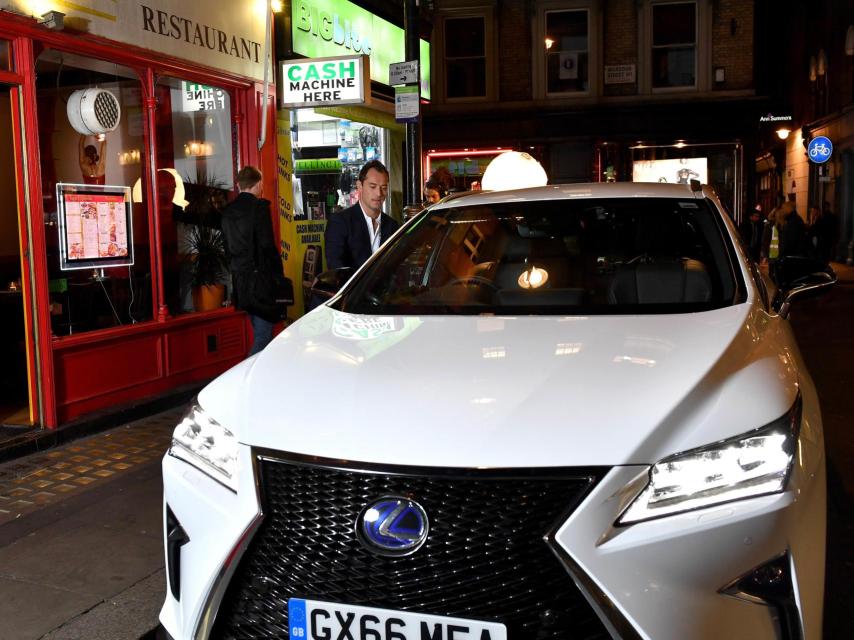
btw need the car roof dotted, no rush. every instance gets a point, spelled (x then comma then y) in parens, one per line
(573, 191)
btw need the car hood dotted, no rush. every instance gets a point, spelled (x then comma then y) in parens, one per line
(486, 391)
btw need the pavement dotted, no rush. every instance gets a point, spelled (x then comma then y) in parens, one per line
(81, 550)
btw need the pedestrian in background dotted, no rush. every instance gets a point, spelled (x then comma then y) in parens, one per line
(354, 234)
(433, 192)
(823, 232)
(752, 230)
(253, 260)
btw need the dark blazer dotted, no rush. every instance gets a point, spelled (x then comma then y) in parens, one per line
(252, 256)
(348, 243)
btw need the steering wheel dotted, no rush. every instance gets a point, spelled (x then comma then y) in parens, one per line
(476, 281)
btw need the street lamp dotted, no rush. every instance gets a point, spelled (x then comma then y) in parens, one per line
(783, 133)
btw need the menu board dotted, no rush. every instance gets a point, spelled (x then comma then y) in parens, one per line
(95, 226)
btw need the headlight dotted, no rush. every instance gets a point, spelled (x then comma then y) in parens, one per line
(754, 464)
(203, 442)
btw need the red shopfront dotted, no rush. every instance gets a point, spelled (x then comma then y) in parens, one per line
(76, 338)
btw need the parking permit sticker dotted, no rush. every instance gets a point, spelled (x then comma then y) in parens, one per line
(296, 618)
(689, 205)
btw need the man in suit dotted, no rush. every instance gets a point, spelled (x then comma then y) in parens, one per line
(354, 234)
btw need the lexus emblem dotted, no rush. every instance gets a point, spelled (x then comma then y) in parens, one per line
(392, 526)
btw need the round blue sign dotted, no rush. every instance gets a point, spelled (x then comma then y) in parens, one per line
(819, 149)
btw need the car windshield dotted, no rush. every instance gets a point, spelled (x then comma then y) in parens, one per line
(568, 257)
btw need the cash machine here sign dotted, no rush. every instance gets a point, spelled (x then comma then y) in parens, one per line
(323, 82)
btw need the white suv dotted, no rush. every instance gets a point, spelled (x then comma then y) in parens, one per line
(566, 412)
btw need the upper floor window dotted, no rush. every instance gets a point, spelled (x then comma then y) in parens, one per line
(465, 57)
(567, 51)
(464, 68)
(674, 45)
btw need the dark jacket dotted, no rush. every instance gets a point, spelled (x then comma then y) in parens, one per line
(252, 256)
(752, 232)
(793, 236)
(348, 243)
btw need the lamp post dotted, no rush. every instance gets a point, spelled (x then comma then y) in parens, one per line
(413, 129)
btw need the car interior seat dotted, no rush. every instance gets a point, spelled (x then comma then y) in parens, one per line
(679, 280)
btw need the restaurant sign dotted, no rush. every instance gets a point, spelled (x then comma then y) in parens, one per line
(222, 34)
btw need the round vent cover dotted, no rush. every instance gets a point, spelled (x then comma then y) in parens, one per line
(93, 111)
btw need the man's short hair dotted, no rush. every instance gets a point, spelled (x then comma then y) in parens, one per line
(248, 177)
(373, 164)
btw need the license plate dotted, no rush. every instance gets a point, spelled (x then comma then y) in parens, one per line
(315, 620)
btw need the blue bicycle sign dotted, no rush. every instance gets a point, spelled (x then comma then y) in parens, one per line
(819, 149)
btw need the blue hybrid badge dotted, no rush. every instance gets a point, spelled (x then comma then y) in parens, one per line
(393, 526)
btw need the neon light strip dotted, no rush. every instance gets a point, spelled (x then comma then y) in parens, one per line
(472, 152)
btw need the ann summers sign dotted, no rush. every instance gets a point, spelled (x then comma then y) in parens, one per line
(315, 82)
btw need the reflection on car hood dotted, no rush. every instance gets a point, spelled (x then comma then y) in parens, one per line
(501, 392)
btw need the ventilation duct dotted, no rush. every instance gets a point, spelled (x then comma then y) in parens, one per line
(93, 111)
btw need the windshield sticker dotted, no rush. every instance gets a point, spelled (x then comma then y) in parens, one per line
(689, 205)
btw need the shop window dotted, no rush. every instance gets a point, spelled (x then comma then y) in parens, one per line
(328, 154)
(566, 49)
(195, 178)
(92, 223)
(567, 59)
(674, 45)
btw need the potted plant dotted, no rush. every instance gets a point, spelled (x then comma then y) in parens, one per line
(203, 241)
(208, 266)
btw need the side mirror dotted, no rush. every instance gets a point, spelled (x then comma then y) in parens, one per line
(326, 285)
(798, 276)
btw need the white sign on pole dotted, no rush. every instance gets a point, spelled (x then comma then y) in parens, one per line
(403, 73)
(406, 103)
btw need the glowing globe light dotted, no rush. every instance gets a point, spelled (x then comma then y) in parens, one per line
(513, 170)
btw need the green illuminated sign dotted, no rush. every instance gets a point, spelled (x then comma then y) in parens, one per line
(317, 165)
(323, 28)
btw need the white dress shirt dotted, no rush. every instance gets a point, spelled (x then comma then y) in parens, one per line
(373, 233)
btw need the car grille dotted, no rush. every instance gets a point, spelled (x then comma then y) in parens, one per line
(485, 557)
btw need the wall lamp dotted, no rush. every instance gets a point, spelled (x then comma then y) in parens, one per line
(53, 20)
(783, 133)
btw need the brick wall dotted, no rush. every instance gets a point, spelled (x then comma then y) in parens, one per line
(732, 43)
(514, 50)
(620, 44)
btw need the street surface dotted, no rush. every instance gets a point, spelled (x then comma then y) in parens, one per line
(80, 525)
(825, 331)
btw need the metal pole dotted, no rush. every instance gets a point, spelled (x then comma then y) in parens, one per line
(413, 129)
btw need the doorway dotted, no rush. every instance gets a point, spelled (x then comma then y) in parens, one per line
(15, 393)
